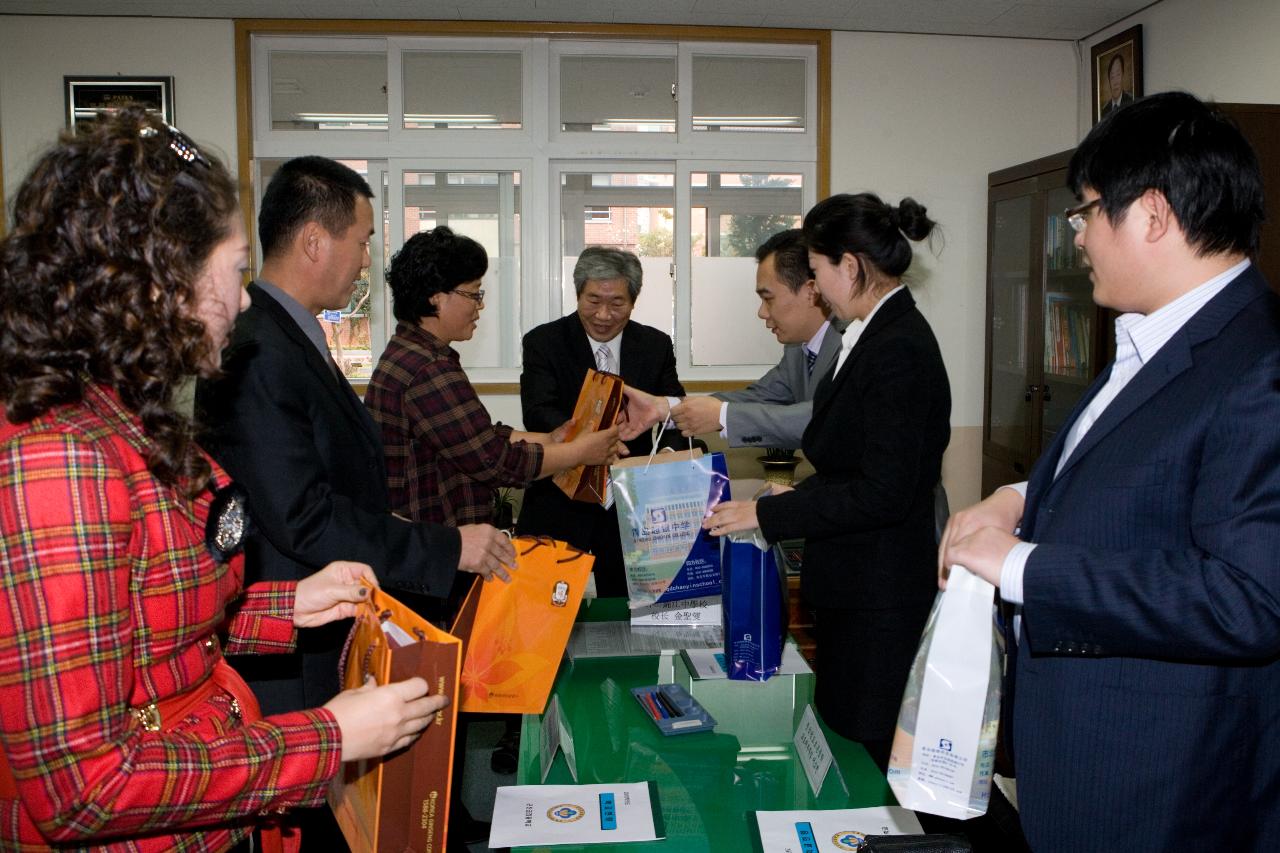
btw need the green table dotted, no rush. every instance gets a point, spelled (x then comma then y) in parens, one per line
(708, 783)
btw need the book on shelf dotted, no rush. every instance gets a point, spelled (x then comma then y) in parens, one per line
(1068, 334)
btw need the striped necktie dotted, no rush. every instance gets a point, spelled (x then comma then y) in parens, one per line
(604, 359)
(810, 359)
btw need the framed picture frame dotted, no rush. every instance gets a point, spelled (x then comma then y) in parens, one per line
(1117, 72)
(88, 96)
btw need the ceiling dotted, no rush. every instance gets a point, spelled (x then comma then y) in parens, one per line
(1067, 20)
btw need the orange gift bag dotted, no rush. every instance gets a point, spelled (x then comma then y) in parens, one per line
(515, 633)
(400, 803)
(599, 403)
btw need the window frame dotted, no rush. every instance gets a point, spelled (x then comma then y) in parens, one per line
(487, 150)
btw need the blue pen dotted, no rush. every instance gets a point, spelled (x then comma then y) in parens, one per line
(653, 699)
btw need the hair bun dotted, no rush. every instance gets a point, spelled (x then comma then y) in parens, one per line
(909, 217)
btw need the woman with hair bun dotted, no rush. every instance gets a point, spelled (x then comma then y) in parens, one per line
(121, 726)
(881, 421)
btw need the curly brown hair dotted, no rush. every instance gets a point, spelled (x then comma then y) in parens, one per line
(111, 230)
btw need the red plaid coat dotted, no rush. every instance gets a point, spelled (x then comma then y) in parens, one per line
(109, 599)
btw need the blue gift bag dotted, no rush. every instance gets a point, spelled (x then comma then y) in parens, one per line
(755, 616)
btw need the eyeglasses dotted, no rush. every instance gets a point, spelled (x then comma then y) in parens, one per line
(476, 296)
(180, 144)
(1075, 215)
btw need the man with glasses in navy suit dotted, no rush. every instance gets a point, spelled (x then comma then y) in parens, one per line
(1142, 558)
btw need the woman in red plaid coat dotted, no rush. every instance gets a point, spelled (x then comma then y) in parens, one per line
(120, 585)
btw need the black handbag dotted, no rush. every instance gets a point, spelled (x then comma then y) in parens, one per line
(934, 843)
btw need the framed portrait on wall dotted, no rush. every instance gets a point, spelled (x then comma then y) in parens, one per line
(88, 96)
(1117, 72)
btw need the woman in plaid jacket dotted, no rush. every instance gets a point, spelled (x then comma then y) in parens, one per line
(120, 584)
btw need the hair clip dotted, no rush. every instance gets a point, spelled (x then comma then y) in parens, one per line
(180, 144)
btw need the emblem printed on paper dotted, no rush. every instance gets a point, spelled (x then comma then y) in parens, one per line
(566, 813)
(849, 839)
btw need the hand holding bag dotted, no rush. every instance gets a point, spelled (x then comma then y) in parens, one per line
(399, 803)
(945, 744)
(599, 402)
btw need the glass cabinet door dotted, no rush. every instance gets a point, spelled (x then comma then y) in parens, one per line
(1009, 289)
(1069, 317)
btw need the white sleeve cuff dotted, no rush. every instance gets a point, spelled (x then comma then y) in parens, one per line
(1020, 488)
(1015, 564)
(672, 402)
(724, 420)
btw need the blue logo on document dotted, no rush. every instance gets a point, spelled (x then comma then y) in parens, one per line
(849, 839)
(944, 744)
(608, 812)
(804, 834)
(566, 813)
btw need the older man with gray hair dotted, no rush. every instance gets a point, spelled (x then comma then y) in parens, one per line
(557, 355)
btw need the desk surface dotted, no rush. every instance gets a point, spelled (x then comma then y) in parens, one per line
(708, 783)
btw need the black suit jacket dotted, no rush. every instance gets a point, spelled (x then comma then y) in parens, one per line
(879, 428)
(557, 356)
(300, 441)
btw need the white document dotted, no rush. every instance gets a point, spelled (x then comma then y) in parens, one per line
(690, 611)
(618, 639)
(832, 831)
(812, 749)
(710, 663)
(526, 815)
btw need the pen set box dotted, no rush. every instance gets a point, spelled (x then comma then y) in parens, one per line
(673, 710)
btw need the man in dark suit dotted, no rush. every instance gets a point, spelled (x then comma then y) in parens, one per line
(557, 355)
(1119, 96)
(288, 427)
(1146, 680)
(774, 410)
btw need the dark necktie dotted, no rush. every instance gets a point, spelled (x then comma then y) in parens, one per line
(810, 359)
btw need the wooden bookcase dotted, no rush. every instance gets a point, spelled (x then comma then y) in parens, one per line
(1046, 339)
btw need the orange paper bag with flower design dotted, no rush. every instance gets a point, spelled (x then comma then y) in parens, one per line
(514, 634)
(399, 803)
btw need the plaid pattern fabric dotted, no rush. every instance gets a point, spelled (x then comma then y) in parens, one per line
(444, 455)
(109, 599)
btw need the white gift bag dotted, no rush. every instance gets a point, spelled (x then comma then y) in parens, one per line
(945, 744)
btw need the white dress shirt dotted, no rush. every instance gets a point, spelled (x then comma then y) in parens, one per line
(854, 330)
(1138, 338)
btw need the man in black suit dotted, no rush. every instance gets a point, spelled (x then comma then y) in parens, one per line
(289, 428)
(1119, 96)
(557, 355)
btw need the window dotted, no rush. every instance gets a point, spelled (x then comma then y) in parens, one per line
(538, 147)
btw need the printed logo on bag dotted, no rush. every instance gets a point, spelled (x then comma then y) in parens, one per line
(849, 839)
(944, 744)
(560, 594)
(657, 515)
(566, 813)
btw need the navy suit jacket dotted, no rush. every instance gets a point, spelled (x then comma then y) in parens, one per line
(1147, 700)
(301, 442)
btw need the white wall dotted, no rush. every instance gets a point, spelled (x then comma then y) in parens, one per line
(930, 117)
(35, 53)
(926, 116)
(1224, 51)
